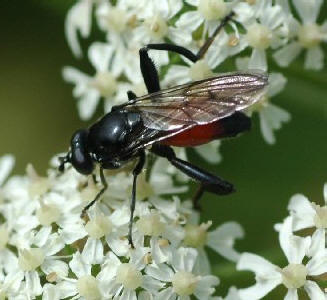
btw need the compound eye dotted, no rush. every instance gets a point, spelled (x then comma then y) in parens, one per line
(80, 157)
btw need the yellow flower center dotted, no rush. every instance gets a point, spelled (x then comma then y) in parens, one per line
(259, 36)
(309, 35)
(212, 9)
(294, 276)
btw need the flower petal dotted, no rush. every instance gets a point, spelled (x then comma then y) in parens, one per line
(277, 83)
(314, 58)
(33, 284)
(258, 60)
(152, 285)
(271, 118)
(302, 211)
(259, 290)
(314, 291)
(222, 239)
(291, 295)
(57, 266)
(6, 165)
(318, 243)
(190, 20)
(184, 259)
(99, 55)
(260, 266)
(166, 294)
(308, 9)
(206, 287)
(78, 265)
(50, 292)
(294, 247)
(88, 103)
(93, 251)
(285, 55)
(161, 272)
(202, 264)
(78, 19)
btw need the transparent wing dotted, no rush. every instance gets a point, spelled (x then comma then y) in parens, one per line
(199, 102)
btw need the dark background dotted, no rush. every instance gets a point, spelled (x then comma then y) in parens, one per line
(38, 116)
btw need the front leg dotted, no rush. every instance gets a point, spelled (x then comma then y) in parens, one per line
(137, 170)
(105, 186)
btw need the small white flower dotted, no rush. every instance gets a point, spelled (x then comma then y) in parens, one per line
(268, 30)
(89, 89)
(113, 229)
(155, 27)
(221, 240)
(210, 13)
(121, 24)
(78, 20)
(308, 36)
(232, 295)
(122, 279)
(43, 256)
(308, 214)
(84, 285)
(183, 282)
(294, 275)
(6, 165)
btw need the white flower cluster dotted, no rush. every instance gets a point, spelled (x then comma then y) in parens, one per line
(259, 27)
(47, 249)
(305, 251)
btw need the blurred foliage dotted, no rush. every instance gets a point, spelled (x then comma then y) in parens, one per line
(38, 116)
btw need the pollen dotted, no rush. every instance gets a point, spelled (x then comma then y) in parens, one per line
(157, 27)
(129, 276)
(294, 276)
(259, 36)
(212, 9)
(184, 283)
(309, 35)
(150, 225)
(105, 83)
(99, 226)
(196, 236)
(87, 287)
(233, 40)
(117, 20)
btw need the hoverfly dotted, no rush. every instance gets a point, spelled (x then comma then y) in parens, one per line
(186, 115)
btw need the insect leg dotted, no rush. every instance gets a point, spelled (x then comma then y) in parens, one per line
(105, 186)
(173, 48)
(149, 71)
(137, 170)
(197, 196)
(210, 182)
(187, 53)
(209, 41)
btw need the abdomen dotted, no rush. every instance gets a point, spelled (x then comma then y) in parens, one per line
(202, 134)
